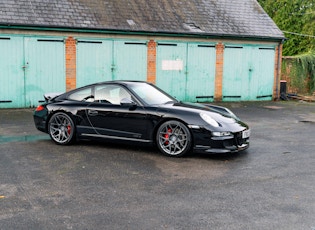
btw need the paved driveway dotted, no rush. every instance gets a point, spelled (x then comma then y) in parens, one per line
(109, 186)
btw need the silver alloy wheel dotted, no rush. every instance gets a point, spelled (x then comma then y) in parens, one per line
(61, 128)
(173, 138)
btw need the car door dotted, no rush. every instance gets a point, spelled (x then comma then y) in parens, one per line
(78, 101)
(112, 120)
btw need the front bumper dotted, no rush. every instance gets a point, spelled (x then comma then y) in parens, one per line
(205, 143)
(227, 149)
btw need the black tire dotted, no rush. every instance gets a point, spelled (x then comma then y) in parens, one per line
(173, 138)
(61, 128)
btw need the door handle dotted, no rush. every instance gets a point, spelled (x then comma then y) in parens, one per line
(25, 66)
(92, 112)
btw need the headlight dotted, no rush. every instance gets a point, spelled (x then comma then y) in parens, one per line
(221, 134)
(209, 119)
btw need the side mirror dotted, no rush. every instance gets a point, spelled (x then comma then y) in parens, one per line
(127, 102)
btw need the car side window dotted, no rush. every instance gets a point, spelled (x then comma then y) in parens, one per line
(110, 94)
(82, 95)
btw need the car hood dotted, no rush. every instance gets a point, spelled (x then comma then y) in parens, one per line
(196, 108)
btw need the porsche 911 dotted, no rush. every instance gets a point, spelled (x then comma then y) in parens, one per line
(140, 112)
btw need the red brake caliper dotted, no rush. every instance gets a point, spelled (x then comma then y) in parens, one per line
(167, 136)
(69, 129)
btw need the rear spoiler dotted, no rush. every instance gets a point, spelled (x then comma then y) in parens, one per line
(51, 96)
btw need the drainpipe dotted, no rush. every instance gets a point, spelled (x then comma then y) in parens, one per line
(278, 71)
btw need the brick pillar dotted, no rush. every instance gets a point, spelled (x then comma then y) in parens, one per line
(70, 63)
(151, 62)
(277, 72)
(219, 72)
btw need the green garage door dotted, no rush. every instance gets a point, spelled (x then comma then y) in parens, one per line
(248, 73)
(265, 72)
(30, 67)
(105, 60)
(186, 70)
(171, 68)
(130, 60)
(200, 72)
(94, 61)
(12, 93)
(45, 68)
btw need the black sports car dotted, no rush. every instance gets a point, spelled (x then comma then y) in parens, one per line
(140, 112)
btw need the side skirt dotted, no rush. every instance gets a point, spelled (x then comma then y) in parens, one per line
(115, 137)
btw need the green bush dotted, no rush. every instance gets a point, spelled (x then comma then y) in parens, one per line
(300, 70)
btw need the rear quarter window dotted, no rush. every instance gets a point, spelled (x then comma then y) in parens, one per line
(81, 95)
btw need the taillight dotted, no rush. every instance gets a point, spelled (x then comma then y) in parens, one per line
(40, 108)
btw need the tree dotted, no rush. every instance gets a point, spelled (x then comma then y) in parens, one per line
(296, 18)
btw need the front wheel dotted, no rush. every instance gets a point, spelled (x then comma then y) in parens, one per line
(61, 128)
(173, 138)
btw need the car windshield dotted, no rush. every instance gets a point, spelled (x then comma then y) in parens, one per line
(151, 95)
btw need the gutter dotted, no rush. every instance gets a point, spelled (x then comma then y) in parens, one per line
(145, 33)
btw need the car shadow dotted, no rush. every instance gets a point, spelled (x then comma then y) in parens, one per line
(120, 146)
(221, 156)
(153, 150)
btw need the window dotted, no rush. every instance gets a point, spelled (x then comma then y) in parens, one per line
(112, 94)
(82, 95)
(150, 94)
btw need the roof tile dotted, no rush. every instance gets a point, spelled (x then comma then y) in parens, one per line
(206, 17)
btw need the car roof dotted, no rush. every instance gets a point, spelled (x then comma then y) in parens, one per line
(120, 81)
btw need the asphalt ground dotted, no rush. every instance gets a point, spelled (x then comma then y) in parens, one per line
(92, 185)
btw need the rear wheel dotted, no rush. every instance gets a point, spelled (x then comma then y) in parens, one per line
(61, 128)
(173, 138)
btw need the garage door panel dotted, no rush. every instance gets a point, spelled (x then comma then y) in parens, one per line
(130, 60)
(94, 61)
(265, 84)
(248, 73)
(233, 74)
(44, 68)
(201, 72)
(11, 74)
(171, 68)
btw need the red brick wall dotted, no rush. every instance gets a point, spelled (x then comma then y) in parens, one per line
(70, 63)
(151, 59)
(219, 72)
